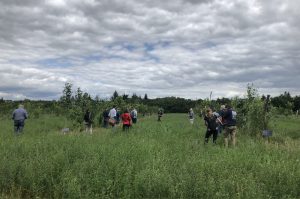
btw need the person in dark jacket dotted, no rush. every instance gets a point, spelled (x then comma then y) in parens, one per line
(212, 126)
(88, 121)
(160, 114)
(229, 119)
(19, 116)
(105, 118)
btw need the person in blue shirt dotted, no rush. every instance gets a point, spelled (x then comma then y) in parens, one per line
(19, 116)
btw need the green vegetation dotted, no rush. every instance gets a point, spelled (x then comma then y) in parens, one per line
(154, 160)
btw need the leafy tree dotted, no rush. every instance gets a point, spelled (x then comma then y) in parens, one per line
(125, 97)
(115, 95)
(145, 96)
(66, 98)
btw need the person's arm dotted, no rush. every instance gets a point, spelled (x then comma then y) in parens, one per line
(205, 121)
(13, 115)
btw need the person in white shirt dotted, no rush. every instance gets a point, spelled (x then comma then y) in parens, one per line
(191, 116)
(112, 116)
(134, 115)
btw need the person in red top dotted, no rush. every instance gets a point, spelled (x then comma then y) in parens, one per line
(126, 119)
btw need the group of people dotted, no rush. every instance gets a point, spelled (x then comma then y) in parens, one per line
(113, 117)
(215, 121)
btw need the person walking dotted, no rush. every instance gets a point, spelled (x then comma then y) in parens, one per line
(211, 124)
(229, 117)
(126, 120)
(88, 121)
(19, 116)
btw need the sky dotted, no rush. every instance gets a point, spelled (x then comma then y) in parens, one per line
(182, 48)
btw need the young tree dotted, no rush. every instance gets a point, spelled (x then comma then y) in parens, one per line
(146, 96)
(66, 98)
(115, 95)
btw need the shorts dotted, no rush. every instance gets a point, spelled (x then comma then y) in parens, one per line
(229, 130)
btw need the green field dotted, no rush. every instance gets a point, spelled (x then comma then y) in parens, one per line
(153, 160)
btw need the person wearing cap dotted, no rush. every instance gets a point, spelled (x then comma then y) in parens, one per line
(19, 116)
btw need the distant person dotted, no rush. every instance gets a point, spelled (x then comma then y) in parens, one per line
(220, 119)
(191, 116)
(118, 117)
(19, 116)
(212, 126)
(126, 120)
(88, 121)
(159, 114)
(112, 116)
(134, 115)
(105, 116)
(229, 117)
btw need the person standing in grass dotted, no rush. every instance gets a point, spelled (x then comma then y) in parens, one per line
(126, 120)
(134, 115)
(160, 114)
(191, 116)
(212, 126)
(112, 116)
(19, 116)
(88, 121)
(105, 118)
(118, 117)
(229, 117)
(220, 119)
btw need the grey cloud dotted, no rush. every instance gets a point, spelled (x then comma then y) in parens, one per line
(226, 43)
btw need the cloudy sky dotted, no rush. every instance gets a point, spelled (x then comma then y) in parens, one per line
(183, 48)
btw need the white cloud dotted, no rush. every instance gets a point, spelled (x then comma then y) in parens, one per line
(181, 48)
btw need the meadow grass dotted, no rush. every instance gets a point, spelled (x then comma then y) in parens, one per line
(154, 160)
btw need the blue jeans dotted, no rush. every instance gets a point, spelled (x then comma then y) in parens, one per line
(19, 125)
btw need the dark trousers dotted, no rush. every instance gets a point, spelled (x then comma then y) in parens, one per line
(105, 122)
(134, 120)
(19, 125)
(214, 133)
(126, 127)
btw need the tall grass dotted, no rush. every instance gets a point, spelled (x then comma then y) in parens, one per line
(154, 160)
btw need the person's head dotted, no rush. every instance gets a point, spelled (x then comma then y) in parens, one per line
(114, 106)
(21, 106)
(191, 109)
(126, 110)
(209, 111)
(222, 107)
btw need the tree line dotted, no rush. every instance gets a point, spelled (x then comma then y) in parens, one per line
(73, 104)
